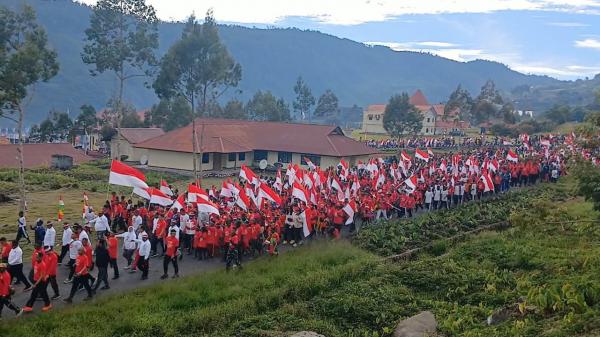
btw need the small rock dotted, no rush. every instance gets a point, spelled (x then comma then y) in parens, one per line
(306, 334)
(423, 324)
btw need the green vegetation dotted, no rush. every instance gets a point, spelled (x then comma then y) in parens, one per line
(401, 117)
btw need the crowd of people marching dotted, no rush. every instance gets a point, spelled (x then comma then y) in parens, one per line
(256, 215)
(442, 142)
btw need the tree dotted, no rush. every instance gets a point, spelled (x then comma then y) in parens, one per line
(559, 114)
(508, 113)
(234, 109)
(488, 104)
(401, 117)
(460, 99)
(327, 104)
(197, 67)
(25, 59)
(131, 119)
(266, 107)
(304, 99)
(170, 114)
(122, 37)
(56, 127)
(87, 119)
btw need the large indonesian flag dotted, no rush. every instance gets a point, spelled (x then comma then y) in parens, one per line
(266, 192)
(249, 175)
(195, 193)
(487, 183)
(142, 192)
(493, 165)
(207, 207)
(164, 187)
(159, 198)
(349, 209)
(411, 182)
(511, 156)
(424, 156)
(124, 175)
(298, 191)
(243, 201)
(307, 225)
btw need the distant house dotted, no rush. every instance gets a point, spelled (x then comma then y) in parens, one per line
(435, 120)
(127, 138)
(228, 144)
(39, 155)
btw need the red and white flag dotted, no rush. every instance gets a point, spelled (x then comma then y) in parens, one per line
(278, 182)
(422, 155)
(511, 156)
(195, 193)
(226, 191)
(142, 192)
(266, 192)
(349, 209)
(307, 225)
(298, 191)
(249, 175)
(179, 203)
(206, 206)
(404, 156)
(335, 184)
(164, 187)
(243, 200)
(345, 168)
(355, 186)
(159, 198)
(493, 165)
(125, 175)
(487, 183)
(310, 164)
(411, 182)
(443, 166)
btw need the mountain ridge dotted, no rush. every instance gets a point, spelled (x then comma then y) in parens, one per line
(271, 59)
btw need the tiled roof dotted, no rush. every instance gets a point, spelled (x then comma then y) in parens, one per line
(138, 135)
(227, 136)
(376, 108)
(39, 155)
(418, 98)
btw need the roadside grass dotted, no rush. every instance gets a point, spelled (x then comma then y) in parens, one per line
(549, 266)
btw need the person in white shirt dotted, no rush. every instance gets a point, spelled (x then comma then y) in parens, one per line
(144, 255)
(437, 194)
(136, 221)
(15, 265)
(100, 226)
(129, 245)
(22, 228)
(74, 246)
(90, 215)
(81, 233)
(66, 240)
(50, 237)
(428, 199)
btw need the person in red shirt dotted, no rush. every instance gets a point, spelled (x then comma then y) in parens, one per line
(171, 255)
(81, 276)
(51, 261)
(5, 291)
(5, 248)
(89, 253)
(113, 247)
(40, 279)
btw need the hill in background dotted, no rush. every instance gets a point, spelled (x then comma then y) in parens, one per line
(271, 59)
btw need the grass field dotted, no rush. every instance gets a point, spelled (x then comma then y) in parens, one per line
(545, 262)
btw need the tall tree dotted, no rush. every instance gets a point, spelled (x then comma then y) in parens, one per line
(197, 67)
(87, 119)
(234, 109)
(401, 117)
(304, 99)
(488, 104)
(25, 59)
(327, 104)
(170, 114)
(122, 37)
(266, 107)
(460, 99)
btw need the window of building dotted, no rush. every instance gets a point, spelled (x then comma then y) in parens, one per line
(231, 157)
(377, 117)
(427, 130)
(260, 155)
(314, 158)
(242, 156)
(284, 157)
(370, 117)
(428, 120)
(205, 158)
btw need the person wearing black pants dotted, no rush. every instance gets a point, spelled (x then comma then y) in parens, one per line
(5, 299)
(102, 262)
(40, 278)
(15, 265)
(171, 255)
(81, 276)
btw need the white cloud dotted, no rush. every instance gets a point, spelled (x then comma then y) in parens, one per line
(350, 12)
(588, 43)
(436, 44)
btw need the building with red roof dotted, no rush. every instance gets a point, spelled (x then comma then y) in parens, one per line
(435, 118)
(229, 143)
(126, 139)
(39, 155)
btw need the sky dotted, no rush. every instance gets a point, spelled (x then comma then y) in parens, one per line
(558, 38)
